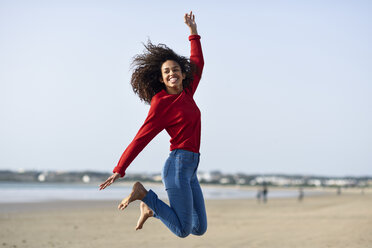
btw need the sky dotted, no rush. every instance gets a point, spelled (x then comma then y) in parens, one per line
(286, 86)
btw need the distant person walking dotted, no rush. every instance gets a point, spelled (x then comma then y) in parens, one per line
(300, 194)
(265, 191)
(168, 82)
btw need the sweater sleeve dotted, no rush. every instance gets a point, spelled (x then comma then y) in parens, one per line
(197, 59)
(153, 125)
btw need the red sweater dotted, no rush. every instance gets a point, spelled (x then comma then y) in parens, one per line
(177, 114)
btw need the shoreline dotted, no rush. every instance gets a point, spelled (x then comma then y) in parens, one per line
(71, 204)
(46, 204)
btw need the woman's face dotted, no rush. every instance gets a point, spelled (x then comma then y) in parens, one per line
(172, 76)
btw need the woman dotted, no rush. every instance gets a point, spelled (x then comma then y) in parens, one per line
(168, 82)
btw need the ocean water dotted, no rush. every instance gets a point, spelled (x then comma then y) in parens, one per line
(39, 192)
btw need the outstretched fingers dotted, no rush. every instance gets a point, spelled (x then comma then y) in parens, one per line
(109, 181)
(105, 184)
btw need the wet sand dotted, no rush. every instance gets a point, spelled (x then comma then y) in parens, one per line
(319, 221)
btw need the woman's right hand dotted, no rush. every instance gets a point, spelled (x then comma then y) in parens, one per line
(109, 181)
(190, 22)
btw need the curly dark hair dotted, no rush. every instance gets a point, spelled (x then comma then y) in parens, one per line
(147, 70)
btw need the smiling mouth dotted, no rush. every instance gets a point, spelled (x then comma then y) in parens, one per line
(173, 80)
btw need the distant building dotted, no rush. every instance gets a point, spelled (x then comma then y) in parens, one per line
(85, 179)
(209, 177)
(314, 182)
(41, 177)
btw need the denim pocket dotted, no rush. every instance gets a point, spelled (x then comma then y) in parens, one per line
(184, 167)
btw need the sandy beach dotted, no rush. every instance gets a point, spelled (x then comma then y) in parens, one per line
(319, 221)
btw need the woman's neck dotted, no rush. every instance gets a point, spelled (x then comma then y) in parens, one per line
(174, 91)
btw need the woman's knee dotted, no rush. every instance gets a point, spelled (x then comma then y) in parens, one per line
(200, 230)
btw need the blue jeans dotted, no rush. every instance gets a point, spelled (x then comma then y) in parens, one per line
(186, 213)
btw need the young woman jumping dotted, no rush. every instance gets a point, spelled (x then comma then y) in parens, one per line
(168, 82)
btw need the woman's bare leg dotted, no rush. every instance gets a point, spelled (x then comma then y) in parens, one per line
(138, 193)
(146, 212)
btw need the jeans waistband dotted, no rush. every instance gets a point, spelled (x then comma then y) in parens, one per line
(185, 152)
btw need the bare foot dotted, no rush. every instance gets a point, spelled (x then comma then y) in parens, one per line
(146, 212)
(138, 193)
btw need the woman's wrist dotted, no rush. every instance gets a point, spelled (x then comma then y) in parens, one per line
(193, 31)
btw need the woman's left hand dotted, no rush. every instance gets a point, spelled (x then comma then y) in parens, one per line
(109, 181)
(190, 22)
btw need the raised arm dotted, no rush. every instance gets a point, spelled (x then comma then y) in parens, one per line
(196, 56)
